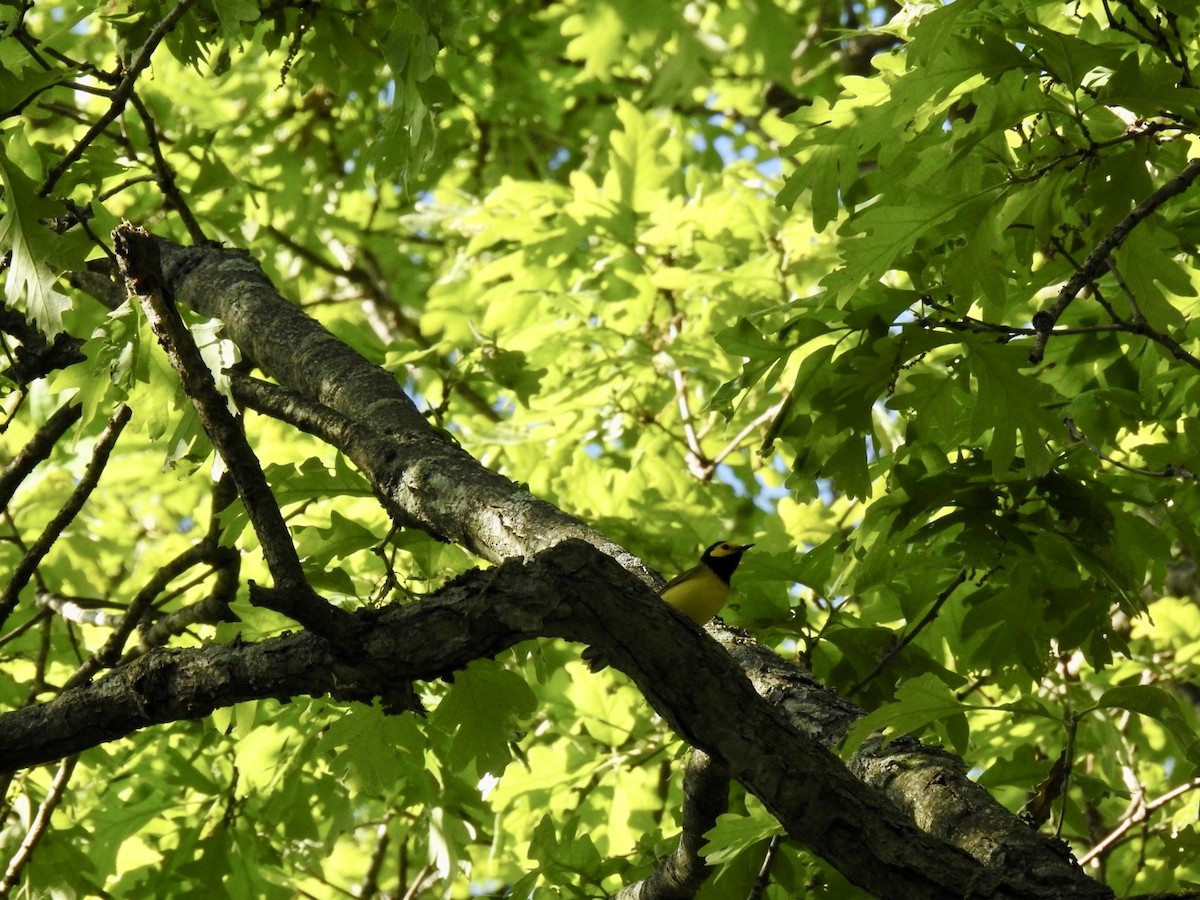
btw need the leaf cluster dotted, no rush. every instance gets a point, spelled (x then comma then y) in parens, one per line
(766, 271)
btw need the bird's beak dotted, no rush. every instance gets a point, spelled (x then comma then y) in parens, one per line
(745, 547)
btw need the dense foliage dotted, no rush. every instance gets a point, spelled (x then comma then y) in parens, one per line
(901, 294)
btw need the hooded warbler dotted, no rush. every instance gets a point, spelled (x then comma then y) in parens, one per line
(699, 593)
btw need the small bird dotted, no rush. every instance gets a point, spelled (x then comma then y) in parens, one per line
(699, 593)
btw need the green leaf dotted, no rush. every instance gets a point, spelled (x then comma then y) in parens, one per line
(1146, 262)
(344, 537)
(297, 483)
(1009, 402)
(1155, 703)
(38, 256)
(18, 88)
(232, 13)
(510, 369)
(639, 173)
(567, 857)
(919, 702)
(374, 752)
(876, 237)
(733, 834)
(481, 714)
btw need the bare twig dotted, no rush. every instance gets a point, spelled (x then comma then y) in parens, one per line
(736, 441)
(1139, 810)
(80, 610)
(978, 326)
(369, 886)
(212, 609)
(763, 879)
(111, 651)
(697, 461)
(165, 174)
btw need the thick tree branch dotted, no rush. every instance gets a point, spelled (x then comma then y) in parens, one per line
(36, 356)
(138, 255)
(705, 797)
(423, 477)
(576, 593)
(702, 693)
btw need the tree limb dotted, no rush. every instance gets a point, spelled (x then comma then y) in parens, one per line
(705, 796)
(424, 478)
(777, 750)
(576, 593)
(138, 255)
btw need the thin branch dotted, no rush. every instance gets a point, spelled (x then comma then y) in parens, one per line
(1168, 472)
(369, 886)
(763, 879)
(696, 459)
(1094, 148)
(212, 609)
(910, 636)
(1139, 327)
(39, 825)
(1139, 811)
(120, 95)
(1169, 343)
(1098, 260)
(165, 174)
(1135, 309)
(978, 326)
(37, 449)
(294, 409)
(420, 883)
(736, 441)
(705, 797)
(91, 476)
(111, 651)
(80, 610)
(41, 616)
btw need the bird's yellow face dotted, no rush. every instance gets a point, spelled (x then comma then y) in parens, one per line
(726, 548)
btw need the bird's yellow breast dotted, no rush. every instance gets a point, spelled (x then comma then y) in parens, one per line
(699, 596)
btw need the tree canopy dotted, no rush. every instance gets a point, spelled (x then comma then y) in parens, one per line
(363, 361)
